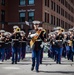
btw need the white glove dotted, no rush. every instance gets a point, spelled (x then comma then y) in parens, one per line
(32, 35)
(36, 34)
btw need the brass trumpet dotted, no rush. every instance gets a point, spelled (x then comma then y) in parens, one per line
(17, 30)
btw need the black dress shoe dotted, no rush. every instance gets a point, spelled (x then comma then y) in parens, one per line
(15, 62)
(56, 62)
(37, 70)
(72, 60)
(32, 68)
(18, 60)
(59, 62)
(12, 62)
(40, 62)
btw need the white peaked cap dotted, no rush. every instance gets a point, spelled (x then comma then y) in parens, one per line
(7, 33)
(36, 22)
(15, 27)
(2, 31)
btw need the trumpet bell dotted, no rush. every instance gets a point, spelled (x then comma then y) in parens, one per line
(17, 29)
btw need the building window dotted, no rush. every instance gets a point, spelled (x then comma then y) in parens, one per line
(30, 2)
(22, 2)
(65, 14)
(31, 16)
(52, 19)
(69, 25)
(57, 22)
(48, 18)
(52, 5)
(62, 1)
(65, 25)
(72, 10)
(22, 16)
(45, 17)
(3, 2)
(57, 9)
(69, 7)
(62, 23)
(62, 12)
(47, 3)
(69, 17)
(2, 15)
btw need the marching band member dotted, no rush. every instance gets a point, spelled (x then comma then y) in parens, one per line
(59, 46)
(64, 45)
(73, 43)
(7, 45)
(24, 42)
(49, 40)
(15, 45)
(53, 47)
(2, 41)
(70, 46)
(37, 38)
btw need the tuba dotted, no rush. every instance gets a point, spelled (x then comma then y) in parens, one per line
(40, 29)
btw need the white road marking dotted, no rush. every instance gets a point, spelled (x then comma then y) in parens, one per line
(11, 68)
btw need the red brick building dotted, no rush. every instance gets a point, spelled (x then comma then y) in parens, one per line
(52, 12)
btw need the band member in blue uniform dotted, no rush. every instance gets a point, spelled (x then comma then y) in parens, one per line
(7, 45)
(36, 48)
(59, 46)
(2, 43)
(23, 44)
(15, 45)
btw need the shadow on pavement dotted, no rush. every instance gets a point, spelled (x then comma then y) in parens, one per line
(54, 63)
(63, 72)
(18, 63)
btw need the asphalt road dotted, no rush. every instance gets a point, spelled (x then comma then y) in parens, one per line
(49, 67)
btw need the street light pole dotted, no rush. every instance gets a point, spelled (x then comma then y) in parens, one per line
(2, 26)
(21, 26)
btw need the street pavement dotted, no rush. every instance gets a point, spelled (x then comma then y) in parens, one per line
(48, 67)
